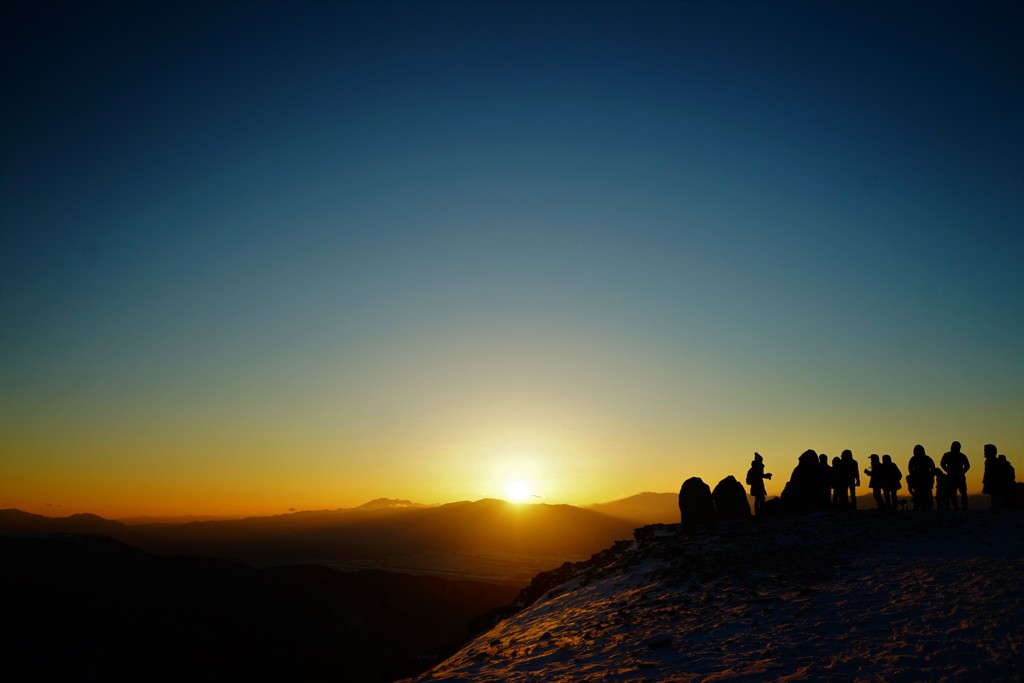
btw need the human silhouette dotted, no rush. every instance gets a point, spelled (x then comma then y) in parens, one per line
(990, 478)
(852, 475)
(1006, 483)
(891, 477)
(921, 478)
(876, 475)
(803, 490)
(955, 464)
(825, 490)
(840, 485)
(755, 479)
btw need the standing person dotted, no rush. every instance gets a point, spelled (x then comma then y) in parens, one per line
(891, 477)
(990, 480)
(875, 476)
(955, 464)
(840, 487)
(825, 492)
(755, 478)
(921, 478)
(802, 492)
(852, 475)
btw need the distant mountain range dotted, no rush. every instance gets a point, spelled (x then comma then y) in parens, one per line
(643, 508)
(485, 539)
(258, 598)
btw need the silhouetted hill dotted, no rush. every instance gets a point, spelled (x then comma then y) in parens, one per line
(13, 520)
(489, 539)
(85, 607)
(643, 508)
(177, 519)
(492, 525)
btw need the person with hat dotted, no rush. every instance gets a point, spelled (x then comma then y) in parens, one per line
(755, 479)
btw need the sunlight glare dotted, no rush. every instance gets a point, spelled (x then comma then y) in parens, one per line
(518, 492)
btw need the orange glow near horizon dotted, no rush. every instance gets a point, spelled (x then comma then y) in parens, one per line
(574, 455)
(236, 483)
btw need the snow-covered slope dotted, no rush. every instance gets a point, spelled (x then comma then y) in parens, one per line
(864, 595)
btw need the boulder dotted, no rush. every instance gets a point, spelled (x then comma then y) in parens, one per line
(730, 499)
(696, 505)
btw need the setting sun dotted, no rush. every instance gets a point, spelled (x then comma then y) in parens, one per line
(518, 492)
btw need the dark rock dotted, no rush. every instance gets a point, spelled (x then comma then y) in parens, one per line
(730, 499)
(696, 505)
(772, 507)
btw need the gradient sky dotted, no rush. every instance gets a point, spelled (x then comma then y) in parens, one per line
(258, 256)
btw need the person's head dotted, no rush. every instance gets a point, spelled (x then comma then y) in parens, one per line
(847, 454)
(836, 461)
(990, 450)
(1002, 457)
(873, 457)
(886, 458)
(955, 447)
(823, 458)
(918, 449)
(757, 457)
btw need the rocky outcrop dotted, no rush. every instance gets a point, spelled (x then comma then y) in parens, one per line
(730, 499)
(696, 505)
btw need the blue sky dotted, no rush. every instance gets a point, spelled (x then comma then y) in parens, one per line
(344, 237)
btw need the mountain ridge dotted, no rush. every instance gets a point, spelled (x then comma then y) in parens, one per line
(489, 539)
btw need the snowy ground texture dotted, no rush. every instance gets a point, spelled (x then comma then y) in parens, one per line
(844, 596)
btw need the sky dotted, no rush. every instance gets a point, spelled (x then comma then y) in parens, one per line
(261, 256)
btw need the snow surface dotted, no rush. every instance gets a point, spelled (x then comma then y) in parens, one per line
(845, 596)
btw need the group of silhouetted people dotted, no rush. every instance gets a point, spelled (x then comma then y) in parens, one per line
(817, 484)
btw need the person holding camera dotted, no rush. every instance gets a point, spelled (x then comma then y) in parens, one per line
(755, 479)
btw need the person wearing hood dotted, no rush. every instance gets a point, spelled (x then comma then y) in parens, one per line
(921, 478)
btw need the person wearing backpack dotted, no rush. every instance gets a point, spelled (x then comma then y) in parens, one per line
(755, 479)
